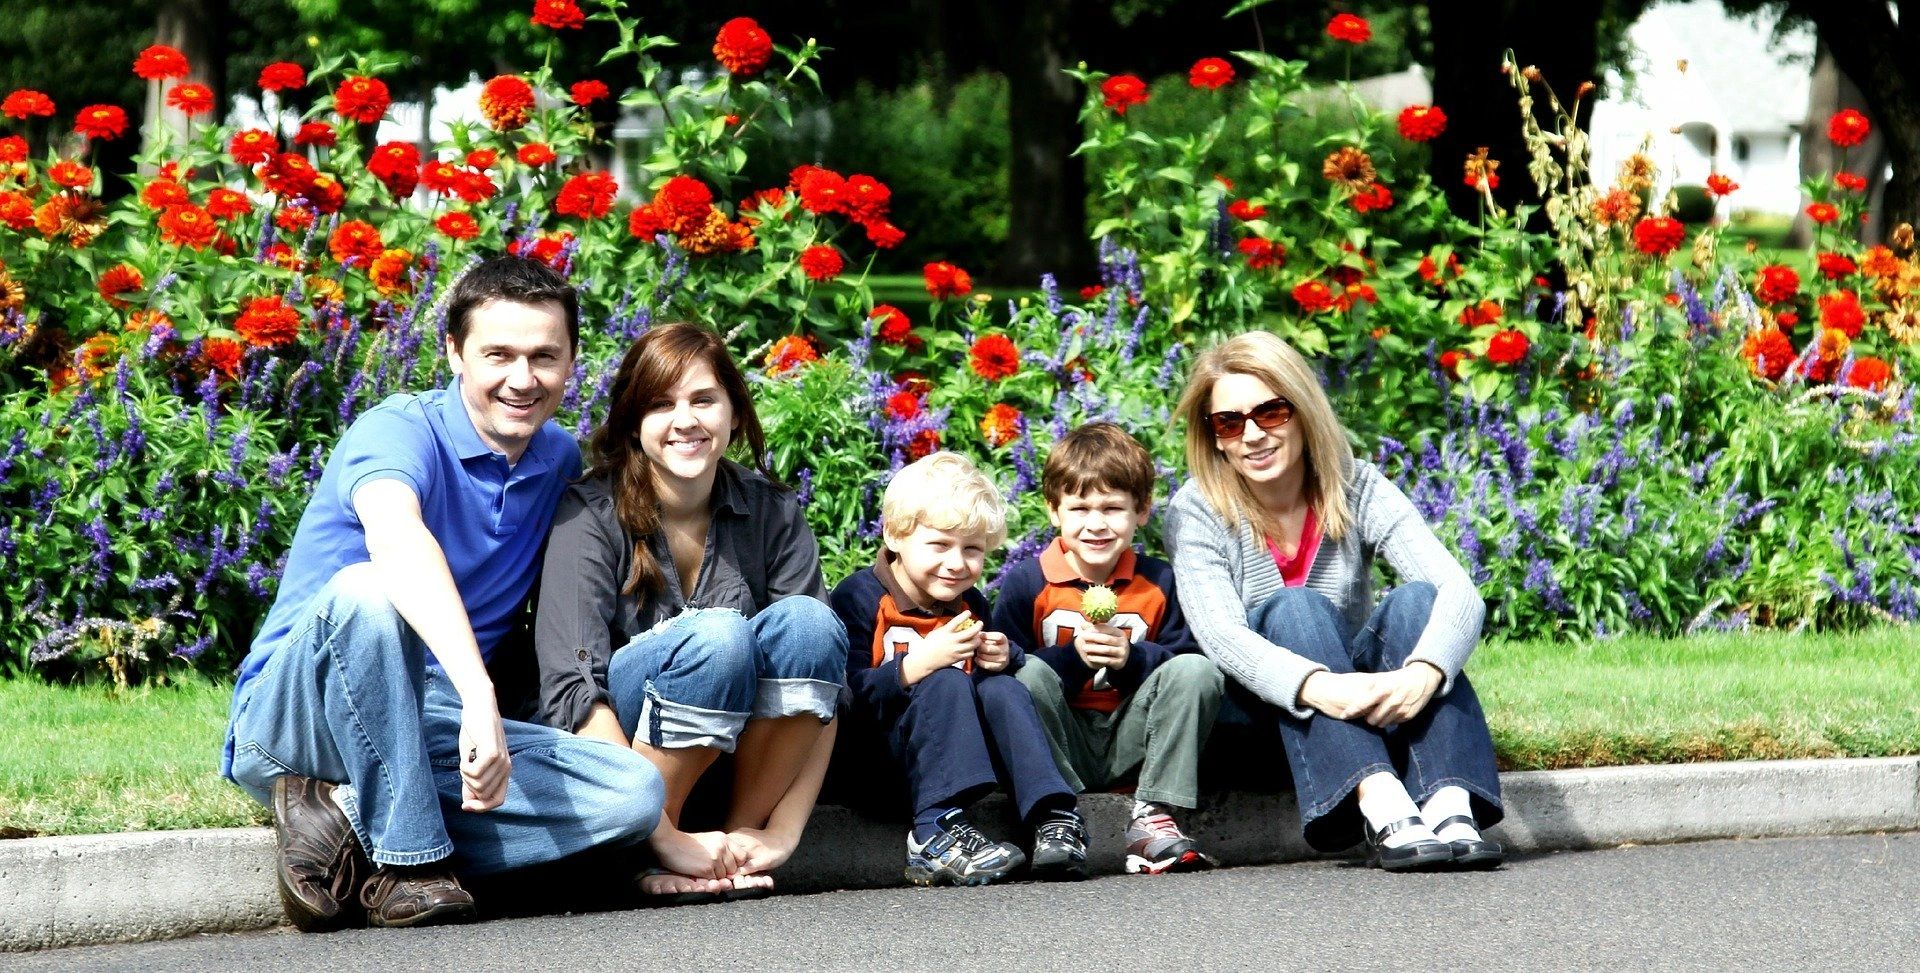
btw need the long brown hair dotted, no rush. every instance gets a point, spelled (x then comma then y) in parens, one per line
(1327, 454)
(650, 369)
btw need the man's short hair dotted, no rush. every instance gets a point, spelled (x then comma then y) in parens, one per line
(510, 278)
(1098, 456)
(944, 491)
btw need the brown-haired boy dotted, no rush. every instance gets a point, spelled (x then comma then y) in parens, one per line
(1132, 693)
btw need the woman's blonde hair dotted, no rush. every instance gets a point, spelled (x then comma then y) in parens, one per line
(944, 491)
(1262, 355)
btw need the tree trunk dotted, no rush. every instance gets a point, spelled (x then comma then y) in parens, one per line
(1469, 39)
(1829, 92)
(190, 26)
(1871, 49)
(1046, 182)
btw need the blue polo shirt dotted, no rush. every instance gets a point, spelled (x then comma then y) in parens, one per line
(490, 519)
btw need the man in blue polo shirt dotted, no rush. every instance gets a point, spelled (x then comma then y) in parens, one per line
(364, 715)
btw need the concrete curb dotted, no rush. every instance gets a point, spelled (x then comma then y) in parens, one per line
(118, 888)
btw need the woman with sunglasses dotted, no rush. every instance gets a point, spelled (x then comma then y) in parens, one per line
(1274, 540)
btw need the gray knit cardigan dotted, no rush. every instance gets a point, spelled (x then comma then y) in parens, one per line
(1224, 575)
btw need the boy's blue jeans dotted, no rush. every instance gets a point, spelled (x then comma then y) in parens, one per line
(349, 698)
(696, 680)
(1446, 744)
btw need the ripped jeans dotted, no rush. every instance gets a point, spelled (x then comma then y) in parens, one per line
(695, 680)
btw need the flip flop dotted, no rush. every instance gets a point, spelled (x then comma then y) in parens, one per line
(740, 893)
(675, 898)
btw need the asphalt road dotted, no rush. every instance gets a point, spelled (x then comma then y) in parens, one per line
(1788, 904)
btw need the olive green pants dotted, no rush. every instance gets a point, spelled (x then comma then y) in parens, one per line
(1158, 730)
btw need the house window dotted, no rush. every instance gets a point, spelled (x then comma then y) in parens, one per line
(1742, 148)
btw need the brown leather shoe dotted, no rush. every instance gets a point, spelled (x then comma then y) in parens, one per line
(318, 858)
(427, 895)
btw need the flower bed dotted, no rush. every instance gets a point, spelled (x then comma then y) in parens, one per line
(1612, 437)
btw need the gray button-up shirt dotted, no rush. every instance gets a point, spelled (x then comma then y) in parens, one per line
(759, 550)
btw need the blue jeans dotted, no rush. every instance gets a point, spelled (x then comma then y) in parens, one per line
(349, 698)
(1445, 744)
(696, 680)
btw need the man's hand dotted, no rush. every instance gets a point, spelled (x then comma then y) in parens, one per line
(1342, 695)
(946, 645)
(1406, 691)
(994, 655)
(1102, 647)
(484, 762)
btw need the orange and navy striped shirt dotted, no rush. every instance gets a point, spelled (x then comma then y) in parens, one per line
(884, 623)
(1039, 609)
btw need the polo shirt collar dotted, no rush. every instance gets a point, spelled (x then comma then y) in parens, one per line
(883, 569)
(466, 440)
(1054, 566)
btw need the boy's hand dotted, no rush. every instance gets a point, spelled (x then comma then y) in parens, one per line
(950, 644)
(1102, 647)
(994, 655)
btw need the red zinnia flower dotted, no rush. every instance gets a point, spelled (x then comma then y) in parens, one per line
(507, 102)
(883, 234)
(1841, 311)
(439, 176)
(1422, 123)
(355, 241)
(1657, 236)
(865, 199)
(101, 122)
(1507, 347)
(1720, 185)
(191, 98)
(397, 166)
(252, 146)
(1349, 28)
(459, 226)
(1485, 312)
(822, 262)
(226, 204)
(1123, 91)
(1768, 353)
(535, 154)
(1450, 361)
(558, 15)
(1092, 291)
(994, 357)
(187, 225)
(903, 405)
(1777, 283)
(160, 62)
(789, 353)
(162, 193)
(16, 210)
(1376, 196)
(1245, 209)
(119, 281)
(482, 158)
(223, 355)
(891, 324)
(924, 444)
(13, 149)
(71, 174)
(1312, 296)
(682, 204)
(946, 280)
(268, 321)
(474, 186)
(362, 99)
(26, 103)
(1848, 128)
(822, 191)
(1850, 182)
(1836, 265)
(288, 174)
(587, 195)
(1210, 73)
(742, 47)
(1001, 425)
(316, 133)
(1869, 373)
(293, 219)
(282, 76)
(1823, 212)
(1262, 254)
(587, 92)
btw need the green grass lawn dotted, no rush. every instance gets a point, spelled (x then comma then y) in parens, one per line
(81, 760)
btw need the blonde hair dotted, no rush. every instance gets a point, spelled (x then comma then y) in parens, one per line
(944, 491)
(1262, 355)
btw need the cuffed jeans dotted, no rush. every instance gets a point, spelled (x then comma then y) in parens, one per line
(1445, 744)
(1159, 729)
(349, 698)
(697, 679)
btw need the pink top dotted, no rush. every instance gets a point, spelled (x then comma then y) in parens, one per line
(1293, 570)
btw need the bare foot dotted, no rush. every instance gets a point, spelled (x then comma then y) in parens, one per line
(702, 855)
(657, 882)
(746, 881)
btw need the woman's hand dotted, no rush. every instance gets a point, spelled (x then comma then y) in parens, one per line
(1342, 695)
(759, 850)
(1407, 691)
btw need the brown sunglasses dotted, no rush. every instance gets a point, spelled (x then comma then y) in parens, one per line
(1271, 414)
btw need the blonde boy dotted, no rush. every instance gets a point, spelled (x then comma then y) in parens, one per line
(926, 671)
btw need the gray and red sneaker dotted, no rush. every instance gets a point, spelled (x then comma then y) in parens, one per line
(1156, 845)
